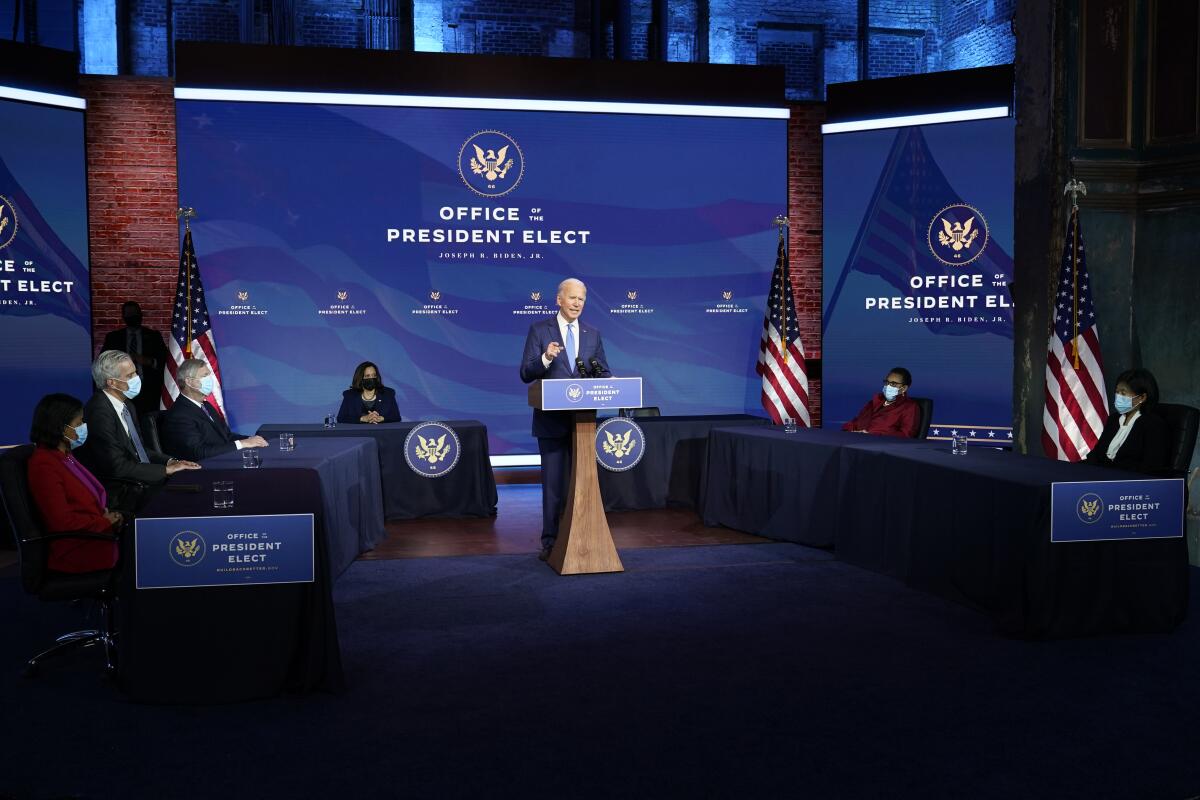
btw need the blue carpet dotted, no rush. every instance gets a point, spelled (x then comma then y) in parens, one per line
(733, 671)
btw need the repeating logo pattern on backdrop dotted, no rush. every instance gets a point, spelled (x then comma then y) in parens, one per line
(8, 222)
(432, 449)
(187, 548)
(620, 444)
(958, 234)
(491, 163)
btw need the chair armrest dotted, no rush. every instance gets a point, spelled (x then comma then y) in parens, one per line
(49, 537)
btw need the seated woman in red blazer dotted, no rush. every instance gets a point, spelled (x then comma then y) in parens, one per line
(68, 497)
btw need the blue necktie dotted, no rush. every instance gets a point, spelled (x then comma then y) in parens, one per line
(133, 434)
(572, 348)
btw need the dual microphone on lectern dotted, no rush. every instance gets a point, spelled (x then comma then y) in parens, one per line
(596, 371)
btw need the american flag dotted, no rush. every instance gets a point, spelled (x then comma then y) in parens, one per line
(191, 333)
(1076, 405)
(784, 381)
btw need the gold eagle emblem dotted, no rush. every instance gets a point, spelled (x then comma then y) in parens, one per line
(535, 296)
(727, 295)
(432, 450)
(959, 236)
(619, 446)
(243, 296)
(342, 295)
(4, 220)
(187, 549)
(631, 295)
(1089, 508)
(435, 295)
(491, 164)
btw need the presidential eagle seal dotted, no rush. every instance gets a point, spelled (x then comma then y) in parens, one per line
(491, 163)
(8, 222)
(957, 235)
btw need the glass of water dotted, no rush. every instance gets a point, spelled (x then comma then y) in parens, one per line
(222, 494)
(958, 444)
(789, 425)
(251, 458)
(330, 420)
(287, 442)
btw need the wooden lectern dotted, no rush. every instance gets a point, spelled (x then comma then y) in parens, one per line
(584, 543)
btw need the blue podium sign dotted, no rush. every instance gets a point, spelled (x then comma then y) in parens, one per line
(575, 394)
(176, 552)
(1090, 511)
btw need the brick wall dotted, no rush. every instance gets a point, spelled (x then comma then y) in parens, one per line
(804, 215)
(132, 197)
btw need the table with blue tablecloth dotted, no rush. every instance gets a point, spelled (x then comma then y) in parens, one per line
(468, 490)
(229, 643)
(671, 471)
(974, 528)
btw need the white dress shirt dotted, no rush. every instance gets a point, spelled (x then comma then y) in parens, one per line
(119, 407)
(562, 335)
(1123, 429)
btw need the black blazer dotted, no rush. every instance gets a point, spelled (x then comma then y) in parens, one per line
(152, 374)
(109, 452)
(385, 403)
(1145, 450)
(189, 433)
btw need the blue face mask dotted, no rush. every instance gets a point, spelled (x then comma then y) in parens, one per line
(890, 392)
(80, 436)
(135, 386)
(207, 384)
(1122, 404)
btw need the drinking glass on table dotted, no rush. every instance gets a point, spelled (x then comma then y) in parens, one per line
(330, 420)
(222, 494)
(958, 444)
(287, 442)
(251, 458)
(789, 425)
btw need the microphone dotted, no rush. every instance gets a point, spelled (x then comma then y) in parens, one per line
(583, 372)
(597, 368)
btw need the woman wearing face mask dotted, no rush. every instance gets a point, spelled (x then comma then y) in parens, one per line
(890, 412)
(367, 399)
(1135, 438)
(67, 496)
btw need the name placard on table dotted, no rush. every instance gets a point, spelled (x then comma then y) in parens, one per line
(569, 394)
(178, 552)
(1090, 511)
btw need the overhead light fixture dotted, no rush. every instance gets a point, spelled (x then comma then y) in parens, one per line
(44, 98)
(966, 115)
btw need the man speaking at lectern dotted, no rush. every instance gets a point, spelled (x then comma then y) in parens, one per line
(553, 348)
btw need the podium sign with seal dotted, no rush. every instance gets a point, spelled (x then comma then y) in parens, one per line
(1091, 511)
(179, 552)
(575, 394)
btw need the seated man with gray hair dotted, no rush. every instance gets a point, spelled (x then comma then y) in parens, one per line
(194, 428)
(115, 451)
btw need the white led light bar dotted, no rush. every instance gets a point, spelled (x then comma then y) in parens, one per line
(915, 119)
(491, 103)
(45, 98)
(516, 461)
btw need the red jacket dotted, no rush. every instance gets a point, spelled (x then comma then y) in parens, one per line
(901, 418)
(66, 504)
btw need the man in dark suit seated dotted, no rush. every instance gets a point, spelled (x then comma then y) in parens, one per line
(147, 351)
(552, 348)
(114, 451)
(193, 428)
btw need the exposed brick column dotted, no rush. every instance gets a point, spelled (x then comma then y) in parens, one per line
(132, 197)
(804, 215)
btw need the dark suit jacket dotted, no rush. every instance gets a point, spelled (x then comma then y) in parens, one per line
(352, 405)
(1145, 450)
(555, 424)
(109, 452)
(152, 375)
(187, 432)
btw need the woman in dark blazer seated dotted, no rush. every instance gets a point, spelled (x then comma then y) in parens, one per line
(1135, 438)
(367, 399)
(68, 498)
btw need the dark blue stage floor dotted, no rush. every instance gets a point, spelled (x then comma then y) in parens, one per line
(730, 671)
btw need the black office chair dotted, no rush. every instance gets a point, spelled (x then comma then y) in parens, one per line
(32, 549)
(1184, 421)
(645, 411)
(926, 406)
(150, 430)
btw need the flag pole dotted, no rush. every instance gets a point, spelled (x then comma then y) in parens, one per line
(186, 214)
(1075, 188)
(781, 222)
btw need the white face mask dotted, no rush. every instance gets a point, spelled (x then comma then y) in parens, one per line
(890, 392)
(135, 386)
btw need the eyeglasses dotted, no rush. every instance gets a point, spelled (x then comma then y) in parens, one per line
(894, 384)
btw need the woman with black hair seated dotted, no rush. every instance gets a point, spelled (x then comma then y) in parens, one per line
(67, 496)
(1135, 438)
(367, 399)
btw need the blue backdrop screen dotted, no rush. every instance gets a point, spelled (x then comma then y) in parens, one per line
(45, 297)
(918, 237)
(427, 240)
